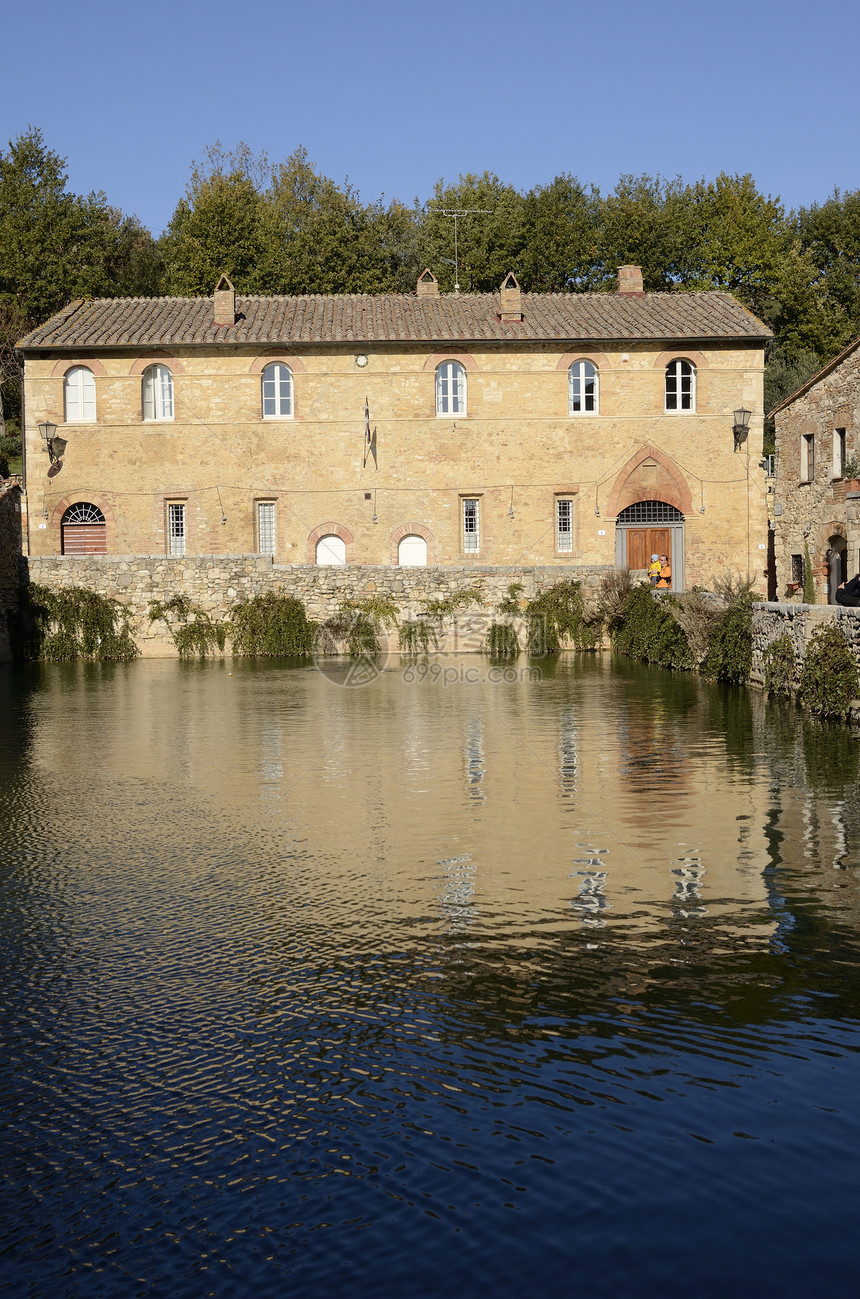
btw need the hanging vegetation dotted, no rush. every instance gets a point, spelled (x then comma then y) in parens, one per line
(502, 641)
(192, 630)
(828, 679)
(647, 631)
(559, 614)
(779, 666)
(358, 624)
(71, 623)
(729, 656)
(421, 634)
(272, 626)
(418, 636)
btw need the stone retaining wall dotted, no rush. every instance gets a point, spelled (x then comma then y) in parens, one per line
(215, 583)
(10, 551)
(799, 622)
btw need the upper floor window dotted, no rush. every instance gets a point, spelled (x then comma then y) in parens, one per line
(450, 389)
(157, 393)
(680, 385)
(277, 391)
(582, 388)
(807, 457)
(79, 392)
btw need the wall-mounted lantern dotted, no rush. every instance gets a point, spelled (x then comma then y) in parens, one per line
(54, 446)
(741, 426)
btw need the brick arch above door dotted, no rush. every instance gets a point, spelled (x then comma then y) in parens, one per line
(649, 475)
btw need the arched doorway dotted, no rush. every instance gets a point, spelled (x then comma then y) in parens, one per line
(83, 530)
(331, 549)
(649, 528)
(837, 566)
(412, 551)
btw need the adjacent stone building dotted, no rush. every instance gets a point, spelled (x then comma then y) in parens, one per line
(816, 510)
(506, 429)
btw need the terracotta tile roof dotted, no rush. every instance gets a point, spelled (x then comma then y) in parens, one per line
(397, 318)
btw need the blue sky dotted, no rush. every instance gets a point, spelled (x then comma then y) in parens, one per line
(394, 96)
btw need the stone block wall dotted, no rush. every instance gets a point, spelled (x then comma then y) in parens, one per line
(215, 583)
(799, 622)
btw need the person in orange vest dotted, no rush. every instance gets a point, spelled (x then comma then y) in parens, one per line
(654, 569)
(665, 580)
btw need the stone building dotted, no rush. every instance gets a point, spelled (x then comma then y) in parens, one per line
(816, 509)
(503, 429)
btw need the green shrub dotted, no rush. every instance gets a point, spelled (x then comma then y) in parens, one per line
(72, 623)
(647, 631)
(779, 666)
(729, 656)
(808, 578)
(191, 629)
(271, 626)
(502, 641)
(828, 678)
(556, 614)
(359, 624)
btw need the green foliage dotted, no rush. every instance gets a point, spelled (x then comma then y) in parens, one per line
(784, 373)
(779, 666)
(192, 630)
(418, 636)
(272, 625)
(808, 578)
(71, 623)
(729, 656)
(828, 678)
(511, 604)
(359, 623)
(502, 641)
(648, 631)
(557, 614)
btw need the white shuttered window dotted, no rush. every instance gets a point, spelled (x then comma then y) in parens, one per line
(79, 391)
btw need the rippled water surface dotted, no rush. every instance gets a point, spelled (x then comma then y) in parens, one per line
(438, 986)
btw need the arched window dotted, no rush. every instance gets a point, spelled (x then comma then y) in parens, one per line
(450, 389)
(277, 391)
(331, 549)
(412, 551)
(680, 385)
(83, 530)
(79, 393)
(157, 393)
(582, 388)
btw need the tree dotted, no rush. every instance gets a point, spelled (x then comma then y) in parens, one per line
(489, 243)
(830, 234)
(561, 237)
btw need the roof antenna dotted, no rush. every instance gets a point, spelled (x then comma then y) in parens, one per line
(456, 213)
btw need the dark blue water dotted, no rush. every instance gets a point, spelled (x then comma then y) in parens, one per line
(442, 985)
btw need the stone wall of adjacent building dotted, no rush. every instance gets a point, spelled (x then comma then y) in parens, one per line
(820, 510)
(10, 551)
(800, 623)
(216, 583)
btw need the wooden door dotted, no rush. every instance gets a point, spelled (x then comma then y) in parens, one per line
(642, 543)
(84, 539)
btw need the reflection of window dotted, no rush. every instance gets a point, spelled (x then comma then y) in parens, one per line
(450, 389)
(582, 388)
(680, 386)
(157, 393)
(838, 452)
(331, 550)
(807, 457)
(175, 529)
(79, 392)
(266, 527)
(277, 391)
(471, 529)
(564, 525)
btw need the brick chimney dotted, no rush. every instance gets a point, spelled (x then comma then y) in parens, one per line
(512, 299)
(630, 281)
(225, 302)
(428, 285)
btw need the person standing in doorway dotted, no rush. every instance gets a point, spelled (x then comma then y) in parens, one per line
(654, 569)
(664, 582)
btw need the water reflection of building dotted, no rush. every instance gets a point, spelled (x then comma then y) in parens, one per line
(550, 805)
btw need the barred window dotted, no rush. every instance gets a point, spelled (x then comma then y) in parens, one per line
(176, 529)
(650, 512)
(564, 525)
(471, 527)
(266, 527)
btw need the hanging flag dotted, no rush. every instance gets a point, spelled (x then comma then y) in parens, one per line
(368, 440)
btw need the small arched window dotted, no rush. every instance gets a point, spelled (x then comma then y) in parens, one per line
(331, 549)
(450, 389)
(680, 385)
(277, 391)
(582, 388)
(157, 393)
(79, 394)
